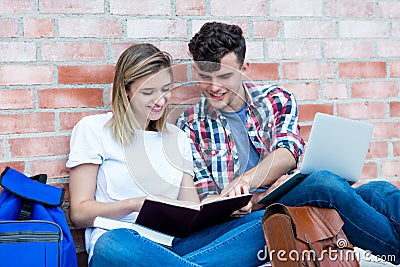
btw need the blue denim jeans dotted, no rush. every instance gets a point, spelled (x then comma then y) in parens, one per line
(234, 243)
(371, 212)
(371, 215)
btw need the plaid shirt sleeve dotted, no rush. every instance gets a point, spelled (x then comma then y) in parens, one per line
(287, 129)
(203, 179)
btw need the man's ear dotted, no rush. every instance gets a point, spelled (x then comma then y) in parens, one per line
(245, 67)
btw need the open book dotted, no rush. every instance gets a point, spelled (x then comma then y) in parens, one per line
(181, 219)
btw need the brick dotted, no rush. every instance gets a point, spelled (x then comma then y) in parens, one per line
(16, 99)
(299, 8)
(369, 171)
(386, 130)
(16, 165)
(350, 8)
(389, 9)
(395, 69)
(25, 75)
(17, 52)
(243, 24)
(262, 71)
(71, 51)
(391, 168)
(307, 70)
(266, 28)
(396, 148)
(139, 7)
(349, 49)
(177, 49)
(53, 168)
(78, 236)
(98, 74)
(70, 97)
(191, 7)
(118, 48)
(294, 49)
(254, 50)
(39, 146)
(26, 123)
(334, 91)
(88, 27)
(109, 97)
(167, 28)
(362, 69)
(17, 7)
(394, 109)
(305, 132)
(363, 29)
(39, 28)
(238, 8)
(184, 95)
(69, 119)
(82, 257)
(303, 91)
(364, 110)
(375, 89)
(309, 29)
(307, 111)
(378, 150)
(9, 27)
(180, 72)
(395, 29)
(388, 49)
(1, 149)
(71, 7)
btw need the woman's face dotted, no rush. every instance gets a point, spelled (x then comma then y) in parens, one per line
(149, 97)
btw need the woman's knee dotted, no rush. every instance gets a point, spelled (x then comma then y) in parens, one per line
(113, 243)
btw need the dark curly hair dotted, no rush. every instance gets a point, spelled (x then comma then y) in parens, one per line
(214, 41)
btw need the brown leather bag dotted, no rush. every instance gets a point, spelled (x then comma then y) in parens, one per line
(306, 236)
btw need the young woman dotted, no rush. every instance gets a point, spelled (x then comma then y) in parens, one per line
(120, 158)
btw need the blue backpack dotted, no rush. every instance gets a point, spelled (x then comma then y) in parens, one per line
(33, 227)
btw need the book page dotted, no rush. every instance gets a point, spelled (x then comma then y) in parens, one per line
(110, 224)
(175, 202)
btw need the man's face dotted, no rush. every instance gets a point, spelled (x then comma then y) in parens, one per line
(223, 88)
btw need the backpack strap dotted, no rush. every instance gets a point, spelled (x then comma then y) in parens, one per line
(26, 206)
(28, 189)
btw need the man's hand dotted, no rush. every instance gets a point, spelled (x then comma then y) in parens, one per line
(278, 182)
(258, 196)
(237, 187)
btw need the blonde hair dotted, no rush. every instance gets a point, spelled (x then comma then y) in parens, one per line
(135, 62)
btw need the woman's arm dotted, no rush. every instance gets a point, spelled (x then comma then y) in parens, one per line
(84, 208)
(188, 191)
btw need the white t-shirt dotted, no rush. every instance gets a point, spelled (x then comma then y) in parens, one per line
(159, 173)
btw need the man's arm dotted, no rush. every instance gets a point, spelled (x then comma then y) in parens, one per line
(287, 148)
(266, 172)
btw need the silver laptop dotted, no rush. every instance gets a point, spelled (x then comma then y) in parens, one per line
(335, 144)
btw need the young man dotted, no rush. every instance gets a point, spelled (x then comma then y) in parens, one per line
(246, 137)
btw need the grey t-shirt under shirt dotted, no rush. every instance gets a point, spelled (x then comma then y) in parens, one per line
(247, 153)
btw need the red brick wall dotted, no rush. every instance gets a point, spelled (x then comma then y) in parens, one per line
(57, 61)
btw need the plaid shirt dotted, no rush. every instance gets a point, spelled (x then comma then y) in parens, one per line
(271, 121)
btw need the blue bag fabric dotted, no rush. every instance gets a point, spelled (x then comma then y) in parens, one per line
(43, 237)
